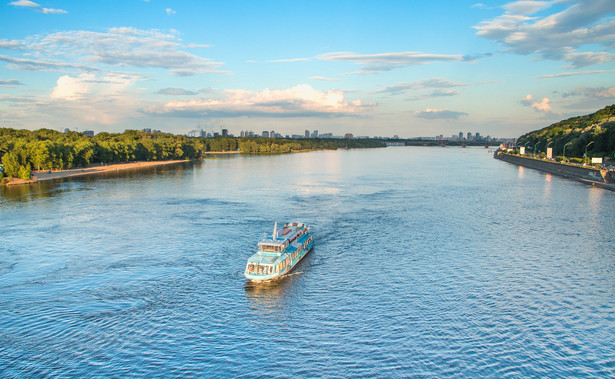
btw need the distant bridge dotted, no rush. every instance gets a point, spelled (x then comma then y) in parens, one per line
(420, 142)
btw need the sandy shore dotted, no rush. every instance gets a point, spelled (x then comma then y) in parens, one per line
(96, 169)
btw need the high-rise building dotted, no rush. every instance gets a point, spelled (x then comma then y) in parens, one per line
(307, 133)
(224, 132)
(315, 134)
(265, 134)
(469, 138)
(460, 136)
(272, 134)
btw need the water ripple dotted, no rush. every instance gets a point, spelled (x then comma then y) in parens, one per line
(419, 269)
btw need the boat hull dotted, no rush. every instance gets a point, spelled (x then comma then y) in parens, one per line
(293, 261)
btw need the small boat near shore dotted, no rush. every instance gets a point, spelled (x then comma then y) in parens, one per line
(278, 255)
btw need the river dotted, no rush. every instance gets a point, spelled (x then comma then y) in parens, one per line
(431, 262)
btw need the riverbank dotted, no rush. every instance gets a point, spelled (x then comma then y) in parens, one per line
(585, 174)
(40, 176)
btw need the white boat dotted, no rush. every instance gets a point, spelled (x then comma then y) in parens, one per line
(278, 255)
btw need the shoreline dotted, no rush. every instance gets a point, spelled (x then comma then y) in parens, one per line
(93, 169)
(45, 175)
(584, 174)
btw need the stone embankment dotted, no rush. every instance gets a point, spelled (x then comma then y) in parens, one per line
(585, 174)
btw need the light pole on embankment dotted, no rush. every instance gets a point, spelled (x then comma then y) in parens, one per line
(586, 150)
(569, 143)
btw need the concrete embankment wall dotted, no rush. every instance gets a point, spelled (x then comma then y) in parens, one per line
(567, 171)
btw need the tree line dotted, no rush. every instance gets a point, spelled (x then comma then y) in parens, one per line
(596, 130)
(22, 151)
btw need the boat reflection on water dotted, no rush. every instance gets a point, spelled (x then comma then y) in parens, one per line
(268, 296)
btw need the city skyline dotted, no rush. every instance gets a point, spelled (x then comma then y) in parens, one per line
(399, 68)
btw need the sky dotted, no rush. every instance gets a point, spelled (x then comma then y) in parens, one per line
(371, 68)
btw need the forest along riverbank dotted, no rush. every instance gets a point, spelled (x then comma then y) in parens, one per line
(39, 176)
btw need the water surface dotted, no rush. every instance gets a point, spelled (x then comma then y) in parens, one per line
(427, 261)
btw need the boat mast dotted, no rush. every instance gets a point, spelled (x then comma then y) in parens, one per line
(275, 231)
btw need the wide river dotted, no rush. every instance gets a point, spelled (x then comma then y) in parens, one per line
(438, 262)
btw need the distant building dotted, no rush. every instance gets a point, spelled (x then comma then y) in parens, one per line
(272, 134)
(315, 134)
(348, 135)
(224, 132)
(460, 136)
(196, 133)
(147, 130)
(307, 133)
(326, 135)
(469, 138)
(88, 133)
(265, 134)
(216, 134)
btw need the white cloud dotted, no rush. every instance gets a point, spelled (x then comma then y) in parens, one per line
(121, 47)
(176, 92)
(11, 45)
(389, 61)
(10, 82)
(53, 11)
(89, 85)
(25, 3)
(434, 113)
(37, 7)
(41, 64)
(595, 93)
(526, 7)
(170, 12)
(94, 99)
(557, 36)
(299, 101)
(438, 83)
(564, 74)
(424, 89)
(538, 106)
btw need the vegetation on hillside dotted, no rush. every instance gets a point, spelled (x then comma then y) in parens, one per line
(22, 151)
(596, 130)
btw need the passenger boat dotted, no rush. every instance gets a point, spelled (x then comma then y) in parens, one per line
(278, 255)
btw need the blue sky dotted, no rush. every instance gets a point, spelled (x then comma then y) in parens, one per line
(371, 68)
